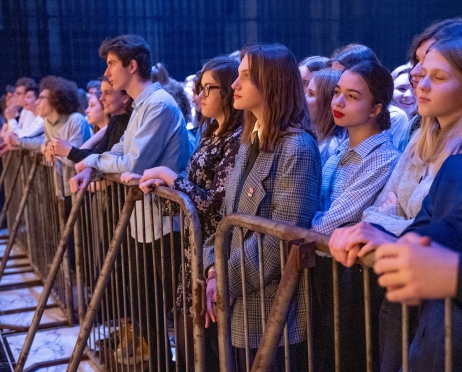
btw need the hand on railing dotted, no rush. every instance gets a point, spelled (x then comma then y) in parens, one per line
(159, 173)
(348, 243)
(61, 147)
(5, 148)
(47, 150)
(128, 176)
(149, 185)
(81, 180)
(415, 268)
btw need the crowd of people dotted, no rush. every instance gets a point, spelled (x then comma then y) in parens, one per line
(335, 144)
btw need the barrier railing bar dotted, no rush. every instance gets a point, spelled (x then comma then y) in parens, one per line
(49, 282)
(156, 294)
(9, 197)
(261, 268)
(244, 299)
(405, 337)
(308, 321)
(67, 280)
(253, 223)
(282, 252)
(164, 291)
(6, 168)
(17, 220)
(174, 281)
(301, 257)
(447, 334)
(133, 195)
(336, 315)
(367, 318)
(145, 271)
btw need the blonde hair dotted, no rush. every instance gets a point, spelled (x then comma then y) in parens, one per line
(435, 144)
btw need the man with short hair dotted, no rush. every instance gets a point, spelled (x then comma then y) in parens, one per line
(26, 117)
(156, 135)
(34, 130)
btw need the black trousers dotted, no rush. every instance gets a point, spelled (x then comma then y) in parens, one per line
(351, 317)
(297, 352)
(147, 287)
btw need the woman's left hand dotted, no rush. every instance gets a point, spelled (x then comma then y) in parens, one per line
(159, 173)
(148, 185)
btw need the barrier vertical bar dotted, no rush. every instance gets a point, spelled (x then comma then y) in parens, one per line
(133, 195)
(49, 282)
(17, 221)
(367, 318)
(447, 334)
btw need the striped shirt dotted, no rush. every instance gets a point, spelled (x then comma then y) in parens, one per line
(352, 179)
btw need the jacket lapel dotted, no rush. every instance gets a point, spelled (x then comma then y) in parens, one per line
(253, 190)
(235, 177)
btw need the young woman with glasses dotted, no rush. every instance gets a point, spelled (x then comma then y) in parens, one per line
(208, 169)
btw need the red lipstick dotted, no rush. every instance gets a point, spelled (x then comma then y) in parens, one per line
(338, 114)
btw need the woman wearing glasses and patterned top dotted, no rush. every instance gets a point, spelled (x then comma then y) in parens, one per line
(208, 168)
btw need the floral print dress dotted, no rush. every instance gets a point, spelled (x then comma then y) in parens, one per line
(208, 168)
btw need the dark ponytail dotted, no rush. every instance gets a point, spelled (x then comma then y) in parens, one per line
(380, 83)
(383, 119)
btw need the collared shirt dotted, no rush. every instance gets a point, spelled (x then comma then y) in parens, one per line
(26, 118)
(32, 129)
(156, 135)
(73, 128)
(351, 180)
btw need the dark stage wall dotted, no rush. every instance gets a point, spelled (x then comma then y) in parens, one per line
(61, 37)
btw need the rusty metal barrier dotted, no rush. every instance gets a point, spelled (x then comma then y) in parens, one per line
(130, 248)
(285, 233)
(36, 220)
(301, 243)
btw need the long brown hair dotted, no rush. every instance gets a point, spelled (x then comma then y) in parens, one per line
(224, 70)
(274, 72)
(434, 144)
(326, 81)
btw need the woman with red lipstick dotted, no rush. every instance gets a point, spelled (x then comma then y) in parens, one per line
(439, 91)
(351, 180)
(277, 176)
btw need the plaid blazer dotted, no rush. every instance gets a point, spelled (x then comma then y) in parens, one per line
(283, 186)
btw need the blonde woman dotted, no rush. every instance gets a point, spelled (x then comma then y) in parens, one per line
(440, 136)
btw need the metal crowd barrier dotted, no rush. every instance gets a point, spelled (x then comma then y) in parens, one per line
(297, 247)
(128, 285)
(34, 209)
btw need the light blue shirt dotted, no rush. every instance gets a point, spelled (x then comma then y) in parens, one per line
(156, 135)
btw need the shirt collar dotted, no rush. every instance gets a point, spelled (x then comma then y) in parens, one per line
(256, 128)
(368, 145)
(145, 94)
(61, 119)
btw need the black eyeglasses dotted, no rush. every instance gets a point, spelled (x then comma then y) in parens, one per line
(206, 89)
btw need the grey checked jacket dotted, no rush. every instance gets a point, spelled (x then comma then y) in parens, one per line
(283, 186)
